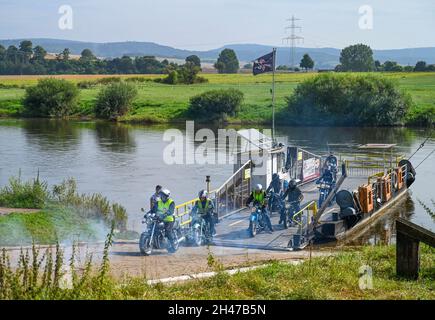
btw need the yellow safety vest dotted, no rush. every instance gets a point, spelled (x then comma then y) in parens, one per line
(163, 208)
(259, 197)
(201, 209)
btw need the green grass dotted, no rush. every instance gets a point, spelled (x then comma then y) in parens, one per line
(161, 103)
(55, 223)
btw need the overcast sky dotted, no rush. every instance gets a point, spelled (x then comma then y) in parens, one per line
(205, 24)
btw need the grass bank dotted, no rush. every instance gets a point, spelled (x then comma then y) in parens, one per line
(52, 224)
(333, 277)
(160, 103)
(65, 214)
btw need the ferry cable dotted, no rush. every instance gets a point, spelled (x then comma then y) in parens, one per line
(421, 146)
(425, 158)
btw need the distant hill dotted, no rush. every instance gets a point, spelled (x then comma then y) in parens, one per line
(323, 57)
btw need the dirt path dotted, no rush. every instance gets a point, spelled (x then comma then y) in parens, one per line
(6, 211)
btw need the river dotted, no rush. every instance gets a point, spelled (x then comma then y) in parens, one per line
(125, 162)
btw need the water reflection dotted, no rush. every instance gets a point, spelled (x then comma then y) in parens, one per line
(114, 137)
(51, 135)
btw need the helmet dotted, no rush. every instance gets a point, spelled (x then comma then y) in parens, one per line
(165, 192)
(202, 194)
(292, 183)
(258, 187)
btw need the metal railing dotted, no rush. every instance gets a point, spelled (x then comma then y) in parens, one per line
(369, 164)
(304, 219)
(182, 212)
(234, 192)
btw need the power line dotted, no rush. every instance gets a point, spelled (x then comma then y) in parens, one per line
(293, 38)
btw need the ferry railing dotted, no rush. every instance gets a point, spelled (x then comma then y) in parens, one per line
(229, 197)
(304, 219)
(233, 193)
(182, 212)
(369, 164)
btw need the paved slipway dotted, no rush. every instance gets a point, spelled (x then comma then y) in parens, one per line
(126, 260)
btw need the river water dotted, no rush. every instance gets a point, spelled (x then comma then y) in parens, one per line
(125, 162)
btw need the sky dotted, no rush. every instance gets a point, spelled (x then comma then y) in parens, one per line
(207, 24)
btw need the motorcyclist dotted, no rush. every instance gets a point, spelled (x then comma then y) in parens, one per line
(331, 164)
(155, 197)
(165, 208)
(275, 186)
(258, 197)
(294, 196)
(204, 207)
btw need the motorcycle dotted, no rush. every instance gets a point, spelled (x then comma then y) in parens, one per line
(294, 207)
(274, 202)
(257, 221)
(200, 232)
(155, 235)
(324, 190)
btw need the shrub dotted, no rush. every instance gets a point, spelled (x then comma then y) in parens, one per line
(423, 116)
(216, 104)
(115, 100)
(330, 99)
(18, 194)
(51, 98)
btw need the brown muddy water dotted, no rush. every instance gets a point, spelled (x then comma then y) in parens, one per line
(125, 162)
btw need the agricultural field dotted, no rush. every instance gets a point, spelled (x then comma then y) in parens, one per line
(161, 103)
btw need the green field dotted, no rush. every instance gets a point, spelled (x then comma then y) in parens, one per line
(167, 103)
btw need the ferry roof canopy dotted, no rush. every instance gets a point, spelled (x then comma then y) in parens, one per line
(255, 140)
(381, 146)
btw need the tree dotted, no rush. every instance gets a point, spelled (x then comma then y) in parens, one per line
(2, 52)
(115, 100)
(194, 59)
(12, 54)
(64, 55)
(188, 72)
(248, 66)
(51, 98)
(26, 47)
(87, 55)
(357, 58)
(420, 66)
(378, 65)
(389, 65)
(307, 62)
(39, 54)
(227, 62)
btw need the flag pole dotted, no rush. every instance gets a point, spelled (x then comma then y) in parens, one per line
(273, 95)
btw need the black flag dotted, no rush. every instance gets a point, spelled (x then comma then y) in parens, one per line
(263, 64)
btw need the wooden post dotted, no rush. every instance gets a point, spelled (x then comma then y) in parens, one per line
(408, 239)
(407, 257)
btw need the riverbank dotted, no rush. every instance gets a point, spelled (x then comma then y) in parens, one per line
(160, 103)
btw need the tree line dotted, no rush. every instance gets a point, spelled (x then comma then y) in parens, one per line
(27, 60)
